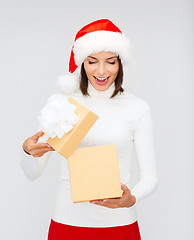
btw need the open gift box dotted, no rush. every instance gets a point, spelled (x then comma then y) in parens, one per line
(94, 173)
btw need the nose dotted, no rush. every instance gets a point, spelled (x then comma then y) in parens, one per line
(101, 69)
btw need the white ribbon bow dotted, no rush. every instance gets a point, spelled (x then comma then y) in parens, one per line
(58, 118)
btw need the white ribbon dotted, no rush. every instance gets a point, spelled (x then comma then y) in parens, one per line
(58, 118)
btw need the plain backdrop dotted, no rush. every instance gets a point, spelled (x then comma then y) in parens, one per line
(36, 39)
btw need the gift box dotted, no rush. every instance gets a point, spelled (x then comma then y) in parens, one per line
(68, 143)
(94, 173)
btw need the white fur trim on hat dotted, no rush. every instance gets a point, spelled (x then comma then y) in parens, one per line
(69, 83)
(97, 41)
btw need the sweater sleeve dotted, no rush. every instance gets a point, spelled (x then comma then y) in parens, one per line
(33, 167)
(145, 155)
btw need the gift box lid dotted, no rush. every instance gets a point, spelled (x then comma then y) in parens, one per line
(70, 141)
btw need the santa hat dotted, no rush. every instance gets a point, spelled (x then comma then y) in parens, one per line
(97, 36)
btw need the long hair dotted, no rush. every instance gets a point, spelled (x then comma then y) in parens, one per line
(118, 81)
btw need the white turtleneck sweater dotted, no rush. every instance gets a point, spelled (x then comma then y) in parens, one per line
(124, 120)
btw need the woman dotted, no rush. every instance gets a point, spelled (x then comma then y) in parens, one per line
(101, 50)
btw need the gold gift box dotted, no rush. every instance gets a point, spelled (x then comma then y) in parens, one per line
(69, 142)
(94, 173)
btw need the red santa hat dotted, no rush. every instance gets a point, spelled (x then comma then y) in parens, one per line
(97, 36)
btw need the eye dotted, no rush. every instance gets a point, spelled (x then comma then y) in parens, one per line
(90, 62)
(112, 62)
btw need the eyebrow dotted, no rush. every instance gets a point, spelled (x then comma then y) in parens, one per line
(107, 58)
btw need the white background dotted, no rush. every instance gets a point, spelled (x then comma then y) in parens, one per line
(36, 39)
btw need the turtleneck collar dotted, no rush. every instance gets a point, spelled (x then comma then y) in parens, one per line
(101, 94)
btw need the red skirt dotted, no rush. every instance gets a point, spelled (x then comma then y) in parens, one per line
(59, 231)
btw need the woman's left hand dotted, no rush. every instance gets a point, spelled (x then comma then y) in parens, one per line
(127, 200)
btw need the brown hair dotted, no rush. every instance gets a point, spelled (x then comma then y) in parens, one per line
(118, 81)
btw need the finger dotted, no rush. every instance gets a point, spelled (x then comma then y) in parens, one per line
(37, 146)
(108, 201)
(124, 188)
(98, 200)
(40, 154)
(37, 152)
(41, 146)
(105, 204)
(36, 136)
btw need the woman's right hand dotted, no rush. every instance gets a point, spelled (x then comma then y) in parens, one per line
(35, 149)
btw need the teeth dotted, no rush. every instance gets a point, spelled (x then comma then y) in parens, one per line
(101, 79)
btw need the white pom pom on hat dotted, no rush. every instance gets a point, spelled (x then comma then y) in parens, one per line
(69, 83)
(97, 36)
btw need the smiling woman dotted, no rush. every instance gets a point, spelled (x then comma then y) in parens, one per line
(102, 70)
(101, 50)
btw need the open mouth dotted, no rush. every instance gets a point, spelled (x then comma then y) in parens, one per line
(101, 81)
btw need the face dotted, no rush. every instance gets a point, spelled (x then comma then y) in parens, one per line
(101, 69)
